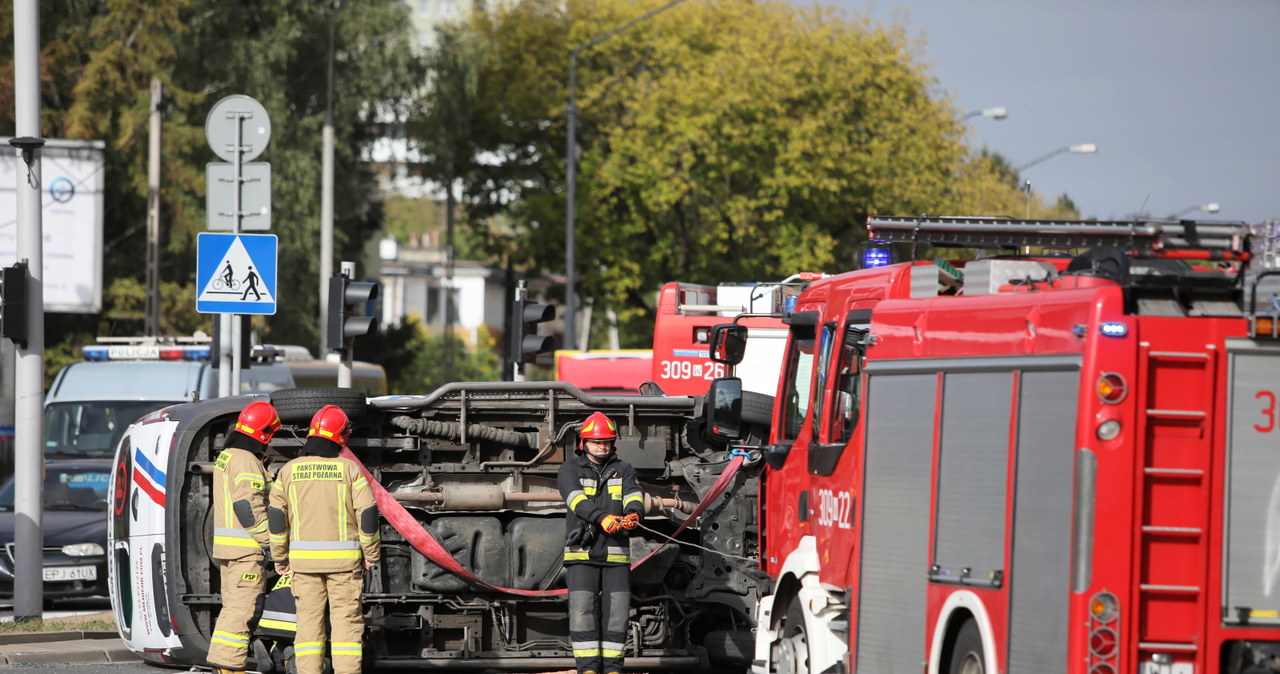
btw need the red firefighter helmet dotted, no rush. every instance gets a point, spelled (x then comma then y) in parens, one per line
(331, 423)
(259, 421)
(598, 427)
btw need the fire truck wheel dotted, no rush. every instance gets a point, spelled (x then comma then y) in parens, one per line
(791, 650)
(298, 405)
(967, 656)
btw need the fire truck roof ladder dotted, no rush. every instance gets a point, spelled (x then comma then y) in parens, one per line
(1149, 238)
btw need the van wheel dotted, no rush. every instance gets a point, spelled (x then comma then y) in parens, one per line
(791, 650)
(967, 656)
(757, 408)
(298, 405)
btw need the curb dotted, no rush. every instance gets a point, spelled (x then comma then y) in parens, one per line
(39, 637)
(46, 648)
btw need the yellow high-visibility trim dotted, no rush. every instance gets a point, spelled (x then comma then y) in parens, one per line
(278, 625)
(293, 507)
(618, 558)
(345, 648)
(633, 497)
(359, 484)
(589, 491)
(324, 554)
(226, 502)
(573, 503)
(259, 527)
(236, 542)
(342, 515)
(585, 652)
(577, 555)
(610, 653)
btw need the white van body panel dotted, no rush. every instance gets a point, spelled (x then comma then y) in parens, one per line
(137, 540)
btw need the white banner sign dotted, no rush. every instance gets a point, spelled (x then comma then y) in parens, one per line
(71, 202)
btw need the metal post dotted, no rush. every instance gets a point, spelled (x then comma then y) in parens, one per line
(348, 269)
(517, 365)
(28, 582)
(237, 354)
(571, 164)
(152, 327)
(326, 190)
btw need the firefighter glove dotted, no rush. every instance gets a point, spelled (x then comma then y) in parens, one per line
(631, 520)
(611, 524)
(581, 536)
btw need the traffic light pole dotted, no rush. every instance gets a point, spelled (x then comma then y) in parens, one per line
(517, 326)
(341, 329)
(347, 269)
(28, 553)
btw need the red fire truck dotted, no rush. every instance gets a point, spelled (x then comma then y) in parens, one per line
(688, 311)
(1028, 464)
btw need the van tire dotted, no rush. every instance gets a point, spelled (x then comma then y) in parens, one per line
(298, 405)
(757, 408)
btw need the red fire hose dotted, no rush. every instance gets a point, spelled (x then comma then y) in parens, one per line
(422, 540)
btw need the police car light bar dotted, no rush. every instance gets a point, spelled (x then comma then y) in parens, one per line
(101, 352)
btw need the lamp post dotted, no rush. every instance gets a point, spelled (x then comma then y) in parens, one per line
(1211, 207)
(997, 113)
(571, 161)
(326, 189)
(1083, 148)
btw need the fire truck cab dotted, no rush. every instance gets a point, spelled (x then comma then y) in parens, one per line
(1029, 463)
(688, 311)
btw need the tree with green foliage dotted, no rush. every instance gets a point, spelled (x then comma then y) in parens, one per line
(709, 154)
(97, 63)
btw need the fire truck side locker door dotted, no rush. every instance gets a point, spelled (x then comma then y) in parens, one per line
(895, 532)
(1251, 546)
(1040, 558)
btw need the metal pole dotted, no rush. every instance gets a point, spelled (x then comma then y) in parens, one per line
(571, 164)
(326, 190)
(348, 269)
(517, 366)
(152, 327)
(28, 581)
(571, 161)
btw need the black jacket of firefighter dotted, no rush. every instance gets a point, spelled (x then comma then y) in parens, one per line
(591, 491)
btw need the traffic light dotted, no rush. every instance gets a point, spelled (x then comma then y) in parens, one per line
(13, 303)
(342, 327)
(527, 343)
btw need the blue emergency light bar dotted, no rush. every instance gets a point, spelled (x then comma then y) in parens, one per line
(876, 257)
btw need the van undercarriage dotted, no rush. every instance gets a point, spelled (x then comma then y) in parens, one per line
(475, 465)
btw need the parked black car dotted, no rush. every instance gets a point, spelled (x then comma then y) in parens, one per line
(75, 529)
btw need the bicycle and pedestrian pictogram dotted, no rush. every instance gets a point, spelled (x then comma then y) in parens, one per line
(236, 273)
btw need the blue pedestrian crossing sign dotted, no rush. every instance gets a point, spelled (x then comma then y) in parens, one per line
(236, 274)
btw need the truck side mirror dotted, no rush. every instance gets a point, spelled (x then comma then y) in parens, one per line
(724, 408)
(728, 343)
(776, 454)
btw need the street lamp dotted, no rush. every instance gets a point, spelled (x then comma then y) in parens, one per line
(997, 113)
(1211, 207)
(571, 161)
(1084, 148)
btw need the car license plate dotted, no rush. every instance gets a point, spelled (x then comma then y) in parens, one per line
(62, 573)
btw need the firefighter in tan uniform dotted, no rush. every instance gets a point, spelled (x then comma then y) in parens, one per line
(240, 489)
(324, 529)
